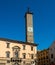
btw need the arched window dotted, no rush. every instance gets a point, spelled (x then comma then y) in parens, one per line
(7, 54)
(16, 54)
(16, 50)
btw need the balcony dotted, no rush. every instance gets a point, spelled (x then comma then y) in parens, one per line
(16, 59)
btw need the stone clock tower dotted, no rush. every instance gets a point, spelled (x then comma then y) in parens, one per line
(29, 26)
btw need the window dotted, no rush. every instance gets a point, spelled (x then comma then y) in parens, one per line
(46, 57)
(31, 48)
(8, 45)
(47, 61)
(23, 47)
(32, 56)
(16, 54)
(16, 50)
(23, 62)
(7, 54)
(24, 55)
(8, 61)
(51, 55)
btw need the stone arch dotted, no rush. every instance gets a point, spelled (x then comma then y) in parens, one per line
(16, 63)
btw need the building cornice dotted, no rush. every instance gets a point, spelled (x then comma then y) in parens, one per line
(19, 42)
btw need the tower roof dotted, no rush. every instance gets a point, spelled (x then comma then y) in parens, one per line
(28, 11)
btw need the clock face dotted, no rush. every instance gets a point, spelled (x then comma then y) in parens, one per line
(30, 29)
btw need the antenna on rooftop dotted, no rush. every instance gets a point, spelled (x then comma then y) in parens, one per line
(28, 10)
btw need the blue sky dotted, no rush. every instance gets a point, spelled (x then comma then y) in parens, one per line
(12, 21)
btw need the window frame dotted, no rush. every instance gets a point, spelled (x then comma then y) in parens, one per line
(8, 45)
(51, 55)
(8, 54)
(31, 48)
(32, 56)
(24, 55)
(24, 47)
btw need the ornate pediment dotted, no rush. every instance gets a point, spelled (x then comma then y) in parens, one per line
(16, 47)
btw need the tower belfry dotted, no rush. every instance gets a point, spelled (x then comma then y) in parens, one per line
(29, 26)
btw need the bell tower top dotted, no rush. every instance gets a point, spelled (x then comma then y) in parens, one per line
(28, 11)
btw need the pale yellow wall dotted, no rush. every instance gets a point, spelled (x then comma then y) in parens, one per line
(3, 49)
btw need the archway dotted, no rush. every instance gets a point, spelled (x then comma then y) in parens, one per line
(16, 63)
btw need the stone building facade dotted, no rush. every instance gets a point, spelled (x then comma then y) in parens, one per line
(43, 57)
(13, 52)
(52, 54)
